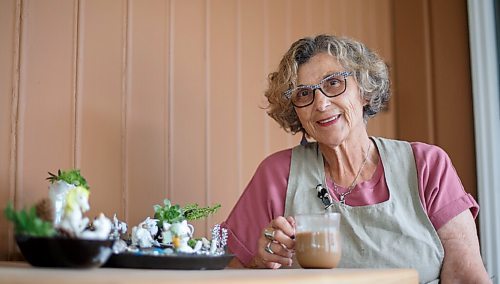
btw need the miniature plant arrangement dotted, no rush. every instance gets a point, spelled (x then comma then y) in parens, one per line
(59, 222)
(170, 233)
(61, 214)
(55, 233)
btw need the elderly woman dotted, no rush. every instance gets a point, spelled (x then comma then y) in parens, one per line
(401, 204)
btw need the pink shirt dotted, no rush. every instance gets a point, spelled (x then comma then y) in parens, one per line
(441, 193)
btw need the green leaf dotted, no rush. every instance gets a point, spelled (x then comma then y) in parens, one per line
(26, 222)
(175, 213)
(195, 213)
(192, 242)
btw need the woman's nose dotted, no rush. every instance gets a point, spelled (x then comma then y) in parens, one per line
(321, 101)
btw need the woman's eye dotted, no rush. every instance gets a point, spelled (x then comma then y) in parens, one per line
(303, 93)
(334, 82)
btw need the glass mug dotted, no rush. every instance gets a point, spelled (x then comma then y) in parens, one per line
(317, 240)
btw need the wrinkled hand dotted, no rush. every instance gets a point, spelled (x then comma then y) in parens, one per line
(277, 248)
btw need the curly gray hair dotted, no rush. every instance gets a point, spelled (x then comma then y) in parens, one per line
(370, 72)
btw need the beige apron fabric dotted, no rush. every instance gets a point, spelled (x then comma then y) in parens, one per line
(395, 233)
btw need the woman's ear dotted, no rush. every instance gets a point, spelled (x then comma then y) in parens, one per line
(363, 97)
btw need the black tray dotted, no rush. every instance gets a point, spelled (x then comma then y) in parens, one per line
(174, 261)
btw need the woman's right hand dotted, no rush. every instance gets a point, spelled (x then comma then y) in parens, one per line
(276, 244)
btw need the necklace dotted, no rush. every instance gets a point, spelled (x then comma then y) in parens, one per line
(353, 184)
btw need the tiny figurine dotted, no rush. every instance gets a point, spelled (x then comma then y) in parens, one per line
(102, 228)
(118, 228)
(143, 235)
(324, 196)
(76, 203)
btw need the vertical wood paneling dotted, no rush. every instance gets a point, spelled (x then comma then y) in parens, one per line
(328, 14)
(385, 22)
(46, 110)
(222, 104)
(300, 20)
(354, 22)
(8, 101)
(253, 82)
(292, 33)
(147, 125)
(414, 100)
(319, 17)
(341, 16)
(452, 70)
(380, 40)
(101, 98)
(278, 44)
(188, 105)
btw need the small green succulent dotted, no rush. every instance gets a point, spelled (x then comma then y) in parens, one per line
(71, 177)
(26, 222)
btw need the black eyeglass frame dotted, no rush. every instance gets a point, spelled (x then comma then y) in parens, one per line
(345, 74)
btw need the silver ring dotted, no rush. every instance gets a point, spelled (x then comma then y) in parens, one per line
(269, 234)
(268, 248)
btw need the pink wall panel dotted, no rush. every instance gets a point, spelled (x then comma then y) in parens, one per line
(188, 100)
(253, 58)
(45, 129)
(224, 107)
(8, 101)
(147, 105)
(300, 18)
(376, 38)
(320, 13)
(340, 16)
(278, 39)
(101, 108)
(354, 18)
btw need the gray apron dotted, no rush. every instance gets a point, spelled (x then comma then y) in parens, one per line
(396, 233)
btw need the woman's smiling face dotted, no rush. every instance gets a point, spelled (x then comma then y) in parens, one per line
(330, 121)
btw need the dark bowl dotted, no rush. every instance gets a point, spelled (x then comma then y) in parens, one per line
(64, 252)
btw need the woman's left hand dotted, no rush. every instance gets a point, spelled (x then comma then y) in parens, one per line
(276, 244)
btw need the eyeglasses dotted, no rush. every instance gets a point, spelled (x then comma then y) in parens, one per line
(331, 86)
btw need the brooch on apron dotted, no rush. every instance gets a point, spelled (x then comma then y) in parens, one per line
(324, 196)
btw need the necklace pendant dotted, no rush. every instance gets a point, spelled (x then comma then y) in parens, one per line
(342, 199)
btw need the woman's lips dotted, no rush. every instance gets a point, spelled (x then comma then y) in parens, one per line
(328, 121)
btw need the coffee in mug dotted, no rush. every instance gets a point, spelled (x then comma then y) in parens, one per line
(317, 240)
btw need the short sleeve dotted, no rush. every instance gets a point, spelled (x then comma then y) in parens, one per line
(441, 192)
(262, 200)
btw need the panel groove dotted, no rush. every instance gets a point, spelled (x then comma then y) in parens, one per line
(171, 100)
(79, 86)
(239, 99)
(266, 69)
(166, 112)
(288, 39)
(76, 35)
(208, 94)
(429, 72)
(16, 77)
(21, 105)
(126, 82)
